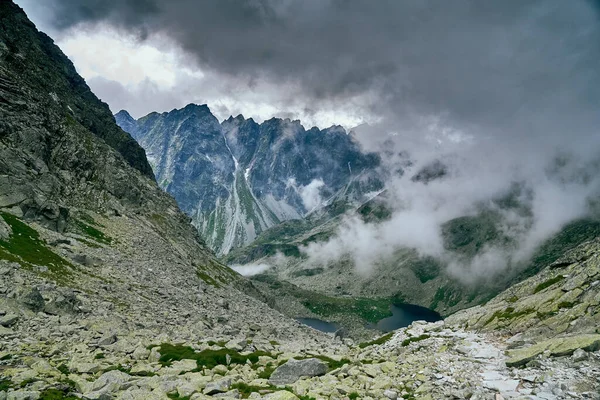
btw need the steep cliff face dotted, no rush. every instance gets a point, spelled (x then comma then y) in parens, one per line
(62, 154)
(238, 178)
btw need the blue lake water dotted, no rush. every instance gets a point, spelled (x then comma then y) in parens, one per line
(319, 325)
(404, 315)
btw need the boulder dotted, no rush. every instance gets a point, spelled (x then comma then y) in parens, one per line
(293, 370)
(281, 395)
(5, 230)
(110, 382)
(219, 386)
(556, 347)
(63, 303)
(33, 300)
(9, 320)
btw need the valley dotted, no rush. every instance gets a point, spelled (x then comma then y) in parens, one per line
(359, 278)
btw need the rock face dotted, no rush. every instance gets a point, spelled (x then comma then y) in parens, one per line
(34, 73)
(293, 370)
(238, 178)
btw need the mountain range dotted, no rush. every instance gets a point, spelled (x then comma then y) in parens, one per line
(108, 292)
(238, 178)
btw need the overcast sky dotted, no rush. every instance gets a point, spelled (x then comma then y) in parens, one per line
(514, 66)
(504, 92)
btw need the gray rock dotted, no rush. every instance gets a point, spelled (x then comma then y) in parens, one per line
(23, 395)
(9, 320)
(5, 230)
(110, 381)
(220, 386)
(64, 303)
(33, 300)
(579, 355)
(107, 340)
(293, 370)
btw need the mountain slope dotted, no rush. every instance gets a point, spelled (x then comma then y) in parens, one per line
(238, 178)
(96, 261)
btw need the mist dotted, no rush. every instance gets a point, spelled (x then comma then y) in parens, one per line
(465, 101)
(551, 187)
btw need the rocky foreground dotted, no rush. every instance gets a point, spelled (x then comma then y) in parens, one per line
(117, 324)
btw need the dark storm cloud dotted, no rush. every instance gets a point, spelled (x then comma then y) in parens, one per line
(518, 66)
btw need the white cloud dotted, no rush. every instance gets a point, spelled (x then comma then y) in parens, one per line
(250, 269)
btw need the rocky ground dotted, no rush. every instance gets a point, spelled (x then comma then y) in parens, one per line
(117, 323)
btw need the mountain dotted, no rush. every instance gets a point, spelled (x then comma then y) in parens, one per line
(107, 291)
(97, 263)
(238, 178)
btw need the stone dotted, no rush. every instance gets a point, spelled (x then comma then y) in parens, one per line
(107, 340)
(5, 230)
(85, 367)
(554, 347)
(9, 320)
(23, 395)
(293, 370)
(390, 394)
(141, 353)
(33, 300)
(6, 331)
(281, 395)
(112, 379)
(579, 355)
(219, 386)
(63, 303)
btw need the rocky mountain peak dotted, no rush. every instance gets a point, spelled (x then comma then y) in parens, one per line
(245, 170)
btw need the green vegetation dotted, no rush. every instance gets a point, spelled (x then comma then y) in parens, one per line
(207, 278)
(470, 234)
(567, 304)
(508, 313)
(375, 210)
(92, 232)
(176, 396)
(205, 358)
(426, 268)
(414, 339)
(548, 283)
(331, 363)
(446, 295)
(28, 381)
(378, 341)
(267, 372)
(89, 220)
(307, 272)
(63, 369)
(370, 310)
(5, 384)
(27, 248)
(57, 394)
(568, 238)
(99, 356)
(353, 396)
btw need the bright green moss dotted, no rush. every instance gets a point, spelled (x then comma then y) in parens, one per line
(414, 339)
(206, 358)
(92, 232)
(25, 247)
(548, 283)
(379, 340)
